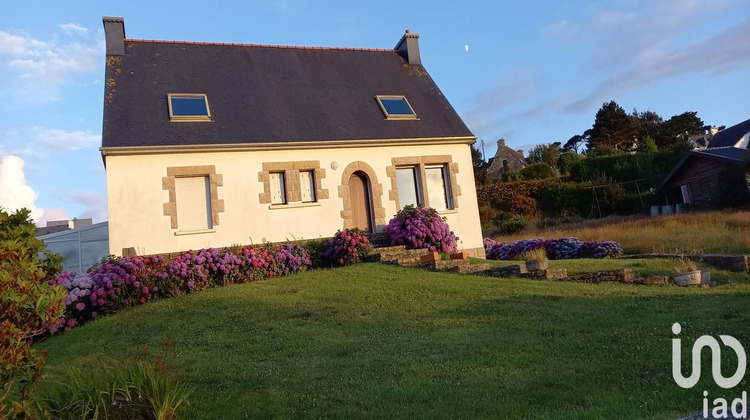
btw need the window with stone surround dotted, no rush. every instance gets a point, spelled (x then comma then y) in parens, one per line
(301, 182)
(432, 184)
(194, 203)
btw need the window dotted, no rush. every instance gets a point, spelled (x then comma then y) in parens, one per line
(193, 203)
(686, 196)
(437, 191)
(188, 107)
(396, 107)
(408, 186)
(307, 186)
(278, 188)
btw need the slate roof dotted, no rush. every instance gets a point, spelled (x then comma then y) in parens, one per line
(727, 154)
(730, 136)
(262, 94)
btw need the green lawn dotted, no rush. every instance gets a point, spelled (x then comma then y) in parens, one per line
(381, 341)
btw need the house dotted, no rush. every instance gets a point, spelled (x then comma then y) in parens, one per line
(713, 177)
(211, 145)
(506, 160)
(54, 226)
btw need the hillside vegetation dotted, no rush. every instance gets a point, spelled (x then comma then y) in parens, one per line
(705, 233)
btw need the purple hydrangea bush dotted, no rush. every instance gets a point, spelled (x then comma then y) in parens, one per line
(421, 227)
(347, 247)
(556, 249)
(118, 283)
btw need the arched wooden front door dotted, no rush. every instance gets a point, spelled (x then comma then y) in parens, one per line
(359, 193)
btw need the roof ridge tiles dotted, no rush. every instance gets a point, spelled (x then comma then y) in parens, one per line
(232, 44)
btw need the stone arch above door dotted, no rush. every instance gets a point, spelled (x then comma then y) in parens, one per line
(376, 189)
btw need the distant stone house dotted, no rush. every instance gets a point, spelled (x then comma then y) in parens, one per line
(506, 160)
(711, 177)
(209, 144)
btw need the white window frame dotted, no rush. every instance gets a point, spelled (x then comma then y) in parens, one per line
(417, 177)
(445, 174)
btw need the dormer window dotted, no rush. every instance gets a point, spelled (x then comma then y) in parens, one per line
(396, 107)
(188, 107)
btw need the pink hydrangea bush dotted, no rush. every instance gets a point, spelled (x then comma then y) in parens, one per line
(118, 283)
(348, 246)
(421, 227)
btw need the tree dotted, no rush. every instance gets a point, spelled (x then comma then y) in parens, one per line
(647, 145)
(481, 168)
(575, 142)
(613, 128)
(29, 306)
(678, 129)
(647, 124)
(545, 153)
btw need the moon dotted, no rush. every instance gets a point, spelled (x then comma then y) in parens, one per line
(466, 47)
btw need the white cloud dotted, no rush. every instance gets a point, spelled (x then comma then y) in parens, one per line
(37, 69)
(714, 55)
(52, 139)
(74, 29)
(15, 193)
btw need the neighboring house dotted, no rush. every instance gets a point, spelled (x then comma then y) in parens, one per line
(82, 246)
(210, 144)
(506, 160)
(702, 140)
(62, 225)
(712, 177)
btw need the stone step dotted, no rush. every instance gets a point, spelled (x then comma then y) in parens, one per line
(468, 268)
(402, 254)
(514, 270)
(458, 266)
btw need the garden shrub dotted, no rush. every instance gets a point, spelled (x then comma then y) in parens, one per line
(347, 247)
(508, 224)
(567, 160)
(522, 204)
(487, 216)
(498, 194)
(565, 198)
(539, 170)
(30, 308)
(421, 227)
(556, 249)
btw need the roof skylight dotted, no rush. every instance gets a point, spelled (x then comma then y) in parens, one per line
(396, 107)
(188, 107)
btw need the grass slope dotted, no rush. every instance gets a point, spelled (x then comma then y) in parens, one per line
(381, 341)
(701, 233)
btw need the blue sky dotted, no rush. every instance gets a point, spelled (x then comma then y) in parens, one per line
(534, 71)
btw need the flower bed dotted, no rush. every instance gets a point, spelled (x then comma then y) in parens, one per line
(556, 249)
(118, 283)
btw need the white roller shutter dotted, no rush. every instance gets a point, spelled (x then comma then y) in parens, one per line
(193, 203)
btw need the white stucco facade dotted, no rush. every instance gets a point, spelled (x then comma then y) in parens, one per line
(137, 195)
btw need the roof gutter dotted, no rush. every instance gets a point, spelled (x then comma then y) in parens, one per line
(298, 145)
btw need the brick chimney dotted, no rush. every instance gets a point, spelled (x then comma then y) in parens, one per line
(500, 143)
(114, 32)
(408, 48)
